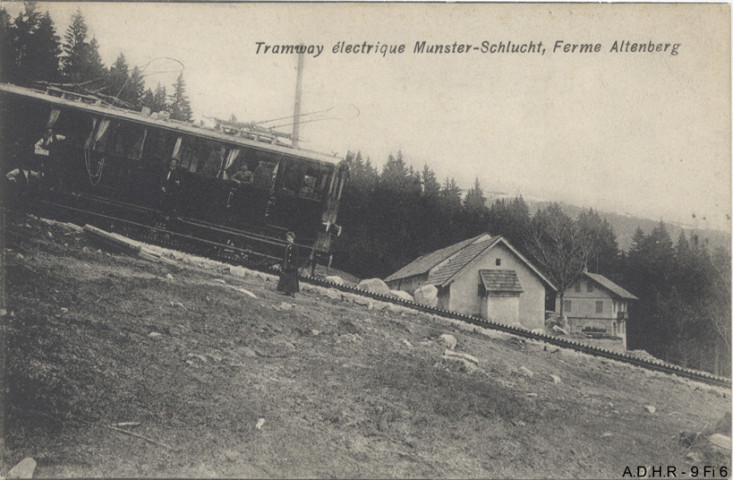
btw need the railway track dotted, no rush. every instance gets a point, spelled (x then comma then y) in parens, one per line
(247, 255)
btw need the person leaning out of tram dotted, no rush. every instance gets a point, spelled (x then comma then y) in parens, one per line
(288, 282)
(243, 175)
(45, 153)
(23, 178)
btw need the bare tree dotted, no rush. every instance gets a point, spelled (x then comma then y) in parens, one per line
(716, 307)
(560, 247)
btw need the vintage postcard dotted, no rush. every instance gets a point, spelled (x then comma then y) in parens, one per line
(365, 240)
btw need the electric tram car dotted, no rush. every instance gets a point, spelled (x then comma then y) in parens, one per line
(119, 157)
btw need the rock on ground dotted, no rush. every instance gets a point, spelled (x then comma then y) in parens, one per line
(402, 294)
(449, 340)
(24, 469)
(720, 441)
(427, 295)
(374, 285)
(335, 279)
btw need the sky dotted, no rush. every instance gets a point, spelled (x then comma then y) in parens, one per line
(646, 134)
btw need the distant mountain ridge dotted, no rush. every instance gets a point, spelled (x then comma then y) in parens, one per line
(624, 226)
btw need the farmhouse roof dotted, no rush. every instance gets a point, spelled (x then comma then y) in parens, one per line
(610, 286)
(424, 263)
(500, 280)
(452, 259)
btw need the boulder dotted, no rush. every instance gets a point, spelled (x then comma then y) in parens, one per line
(559, 330)
(469, 366)
(449, 340)
(332, 293)
(24, 469)
(238, 271)
(374, 285)
(358, 300)
(246, 352)
(693, 457)
(427, 295)
(401, 294)
(335, 279)
(722, 442)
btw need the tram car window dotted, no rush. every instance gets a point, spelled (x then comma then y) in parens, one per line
(158, 147)
(124, 139)
(201, 156)
(314, 181)
(74, 125)
(102, 135)
(235, 161)
(264, 170)
(213, 163)
(131, 140)
(292, 176)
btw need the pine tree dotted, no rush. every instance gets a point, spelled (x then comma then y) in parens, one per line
(475, 202)
(118, 77)
(47, 50)
(33, 46)
(511, 219)
(180, 107)
(135, 91)
(160, 99)
(148, 99)
(394, 173)
(94, 68)
(74, 47)
(604, 247)
(451, 193)
(81, 61)
(431, 186)
(6, 53)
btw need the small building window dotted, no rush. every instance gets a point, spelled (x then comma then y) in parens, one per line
(599, 306)
(577, 287)
(590, 287)
(568, 306)
(498, 262)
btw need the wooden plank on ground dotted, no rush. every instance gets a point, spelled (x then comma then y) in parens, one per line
(113, 238)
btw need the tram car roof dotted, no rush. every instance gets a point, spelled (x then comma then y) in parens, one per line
(92, 104)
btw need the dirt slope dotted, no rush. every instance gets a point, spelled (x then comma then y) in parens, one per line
(228, 379)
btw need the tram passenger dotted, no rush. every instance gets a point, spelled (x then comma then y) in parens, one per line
(288, 283)
(262, 176)
(170, 188)
(46, 158)
(243, 175)
(21, 179)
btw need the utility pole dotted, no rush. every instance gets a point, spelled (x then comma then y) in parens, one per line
(298, 93)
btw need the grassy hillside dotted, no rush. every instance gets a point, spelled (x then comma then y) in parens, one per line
(116, 366)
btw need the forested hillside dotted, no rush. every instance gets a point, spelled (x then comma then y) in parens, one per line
(682, 281)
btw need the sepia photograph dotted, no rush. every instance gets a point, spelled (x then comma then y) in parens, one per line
(365, 240)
